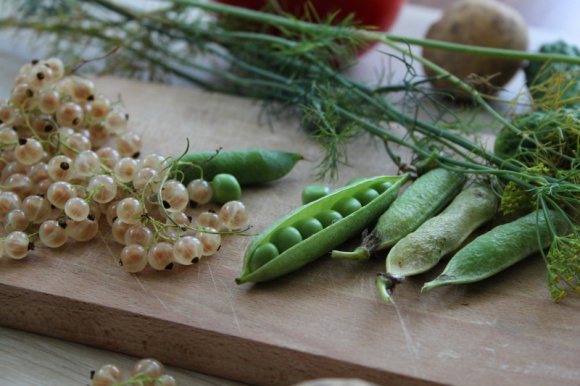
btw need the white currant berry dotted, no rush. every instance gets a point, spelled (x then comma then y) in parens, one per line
(29, 151)
(36, 208)
(160, 256)
(17, 244)
(16, 220)
(77, 209)
(200, 191)
(59, 192)
(234, 215)
(83, 89)
(70, 114)
(174, 196)
(118, 230)
(84, 230)
(107, 375)
(129, 210)
(108, 156)
(57, 67)
(116, 120)
(75, 144)
(147, 368)
(52, 233)
(8, 201)
(87, 163)
(20, 184)
(126, 169)
(133, 258)
(210, 240)
(209, 220)
(139, 234)
(60, 168)
(103, 188)
(48, 101)
(187, 250)
(40, 77)
(38, 172)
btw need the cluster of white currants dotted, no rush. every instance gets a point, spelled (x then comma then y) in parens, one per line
(67, 159)
(147, 371)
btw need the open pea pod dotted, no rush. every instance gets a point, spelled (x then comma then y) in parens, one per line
(314, 229)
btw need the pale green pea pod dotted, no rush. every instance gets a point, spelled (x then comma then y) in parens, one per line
(263, 259)
(500, 248)
(422, 249)
(425, 197)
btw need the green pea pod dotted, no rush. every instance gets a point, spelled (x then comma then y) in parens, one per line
(425, 197)
(337, 219)
(253, 166)
(500, 248)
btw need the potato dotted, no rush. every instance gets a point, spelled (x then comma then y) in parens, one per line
(485, 23)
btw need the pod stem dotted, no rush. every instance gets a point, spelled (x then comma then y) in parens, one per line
(360, 254)
(385, 284)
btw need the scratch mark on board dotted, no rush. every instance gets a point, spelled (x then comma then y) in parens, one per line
(408, 339)
(231, 303)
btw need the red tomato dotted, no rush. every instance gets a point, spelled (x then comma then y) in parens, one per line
(380, 14)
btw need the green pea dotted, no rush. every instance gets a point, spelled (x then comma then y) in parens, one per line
(314, 192)
(382, 186)
(367, 196)
(322, 241)
(354, 181)
(286, 238)
(308, 226)
(225, 188)
(328, 217)
(347, 205)
(253, 166)
(262, 255)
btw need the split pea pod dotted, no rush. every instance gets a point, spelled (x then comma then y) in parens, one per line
(500, 248)
(425, 197)
(422, 249)
(253, 166)
(310, 231)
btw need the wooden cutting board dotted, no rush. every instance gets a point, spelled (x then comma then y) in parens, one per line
(325, 320)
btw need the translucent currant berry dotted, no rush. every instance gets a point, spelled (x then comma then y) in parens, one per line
(64, 87)
(7, 115)
(174, 196)
(147, 368)
(20, 184)
(187, 250)
(160, 256)
(147, 179)
(16, 220)
(154, 161)
(98, 134)
(22, 96)
(138, 234)
(84, 230)
(8, 201)
(102, 188)
(52, 234)
(200, 191)
(111, 211)
(129, 210)
(43, 185)
(60, 168)
(209, 220)
(129, 144)
(13, 167)
(108, 156)
(234, 215)
(87, 163)
(83, 89)
(100, 107)
(70, 114)
(48, 101)
(126, 169)
(59, 193)
(77, 209)
(57, 67)
(17, 244)
(38, 172)
(211, 241)
(107, 375)
(36, 208)
(118, 230)
(29, 151)
(75, 144)
(116, 120)
(40, 77)
(134, 258)
(166, 380)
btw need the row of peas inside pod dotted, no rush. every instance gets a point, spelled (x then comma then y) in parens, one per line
(68, 160)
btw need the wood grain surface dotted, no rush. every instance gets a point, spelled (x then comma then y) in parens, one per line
(323, 321)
